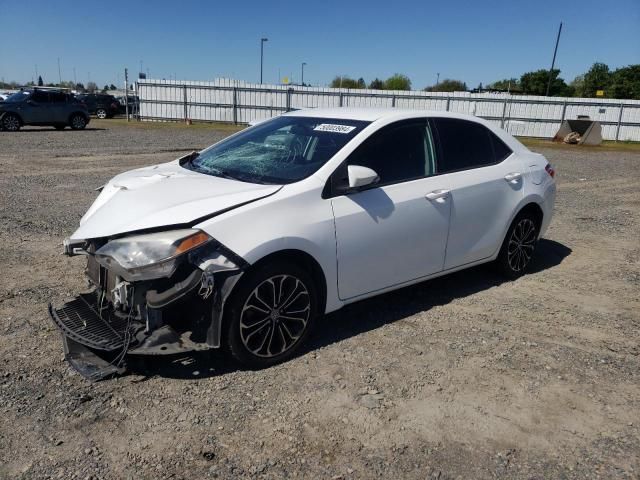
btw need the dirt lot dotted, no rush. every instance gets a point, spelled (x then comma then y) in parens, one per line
(461, 377)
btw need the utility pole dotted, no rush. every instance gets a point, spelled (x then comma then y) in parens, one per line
(59, 74)
(553, 62)
(262, 40)
(126, 93)
(302, 76)
(437, 79)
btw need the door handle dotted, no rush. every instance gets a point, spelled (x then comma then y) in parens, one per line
(437, 195)
(513, 177)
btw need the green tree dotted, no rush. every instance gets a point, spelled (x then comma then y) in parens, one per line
(448, 85)
(397, 81)
(79, 87)
(597, 78)
(507, 84)
(376, 84)
(40, 82)
(577, 84)
(535, 83)
(345, 82)
(362, 83)
(92, 87)
(105, 88)
(112, 87)
(625, 83)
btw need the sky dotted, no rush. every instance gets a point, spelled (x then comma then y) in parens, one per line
(473, 41)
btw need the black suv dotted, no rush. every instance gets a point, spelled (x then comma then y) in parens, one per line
(100, 105)
(48, 107)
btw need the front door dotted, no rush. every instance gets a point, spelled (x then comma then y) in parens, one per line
(396, 231)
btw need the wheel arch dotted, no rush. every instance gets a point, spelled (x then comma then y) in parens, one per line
(15, 114)
(308, 262)
(77, 112)
(535, 209)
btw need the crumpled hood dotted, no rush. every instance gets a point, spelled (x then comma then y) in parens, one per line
(165, 194)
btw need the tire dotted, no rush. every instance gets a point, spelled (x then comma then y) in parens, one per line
(10, 122)
(77, 122)
(519, 246)
(101, 113)
(270, 315)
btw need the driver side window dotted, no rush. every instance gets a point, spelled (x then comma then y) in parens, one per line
(398, 153)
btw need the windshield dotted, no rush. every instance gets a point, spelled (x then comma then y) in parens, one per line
(18, 97)
(283, 150)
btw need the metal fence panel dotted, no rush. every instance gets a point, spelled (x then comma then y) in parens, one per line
(227, 100)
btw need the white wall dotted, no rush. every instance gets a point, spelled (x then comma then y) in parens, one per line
(521, 115)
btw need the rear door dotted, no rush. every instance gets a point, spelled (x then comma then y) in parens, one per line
(390, 233)
(58, 107)
(486, 185)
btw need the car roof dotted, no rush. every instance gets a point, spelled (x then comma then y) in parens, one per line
(396, 114)
(373, 114)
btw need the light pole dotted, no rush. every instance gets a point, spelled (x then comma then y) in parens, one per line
(553, 62)
(302, 76)
(262, 40)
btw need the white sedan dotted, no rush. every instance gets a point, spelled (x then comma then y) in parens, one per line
(246, 244)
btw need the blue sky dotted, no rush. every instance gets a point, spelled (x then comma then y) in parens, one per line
(477, 41)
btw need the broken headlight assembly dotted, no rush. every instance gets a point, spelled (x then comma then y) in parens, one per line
(149, 256)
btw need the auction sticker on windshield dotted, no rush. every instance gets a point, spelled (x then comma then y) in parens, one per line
(330, 127)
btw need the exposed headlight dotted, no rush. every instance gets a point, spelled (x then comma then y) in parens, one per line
(152, 255)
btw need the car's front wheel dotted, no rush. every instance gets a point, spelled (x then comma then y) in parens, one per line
(519, 245)
(78, 122)
(10, 122)
(270, 314)
(101, 113)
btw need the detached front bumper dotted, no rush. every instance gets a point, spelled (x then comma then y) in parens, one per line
(178, 314)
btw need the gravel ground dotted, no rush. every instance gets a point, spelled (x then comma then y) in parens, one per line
(465, 376)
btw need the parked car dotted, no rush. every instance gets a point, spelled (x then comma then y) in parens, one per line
(245, 244)
(43, 107)
(133, 102)
(100, 105)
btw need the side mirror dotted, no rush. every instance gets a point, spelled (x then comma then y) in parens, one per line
(361, 176)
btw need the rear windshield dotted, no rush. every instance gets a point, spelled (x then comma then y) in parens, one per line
(282, 150)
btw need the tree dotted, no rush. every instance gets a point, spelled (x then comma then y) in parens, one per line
(376, 84)
(105, 88)
(507, 84)
(535, 83)
(112, 87)
(448, 85)
(92, 87)
(597, 78)
(625, 83)
(79, 87)
(362, 83)
(577, 84)
(345, 82)
(397, 81)
(40, 82)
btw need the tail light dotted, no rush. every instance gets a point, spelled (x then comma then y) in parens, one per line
(550, 170)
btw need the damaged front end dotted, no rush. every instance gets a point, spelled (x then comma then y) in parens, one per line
(153, 294)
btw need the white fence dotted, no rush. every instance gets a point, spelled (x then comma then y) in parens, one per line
(232, 101)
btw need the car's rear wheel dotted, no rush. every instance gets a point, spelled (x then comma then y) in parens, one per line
(10, 122)
(101, 113)
(270, 314)
(519, 245)
(78, 122)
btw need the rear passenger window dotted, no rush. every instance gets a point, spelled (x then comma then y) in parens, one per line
(500, 150)
(57, 97)
(465, 145)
